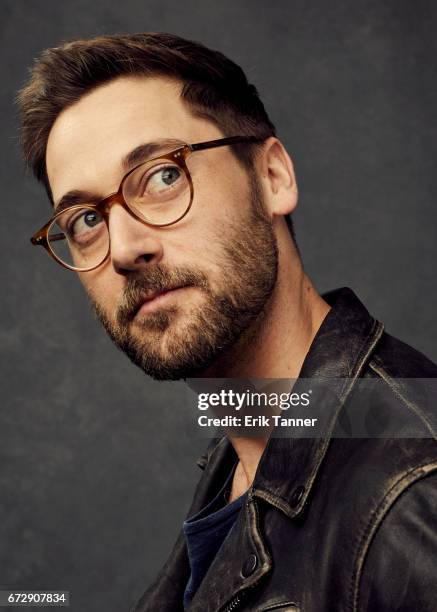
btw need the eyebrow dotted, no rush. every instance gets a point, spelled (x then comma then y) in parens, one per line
(141, 153)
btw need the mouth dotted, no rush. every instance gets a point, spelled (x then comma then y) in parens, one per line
(156, 299)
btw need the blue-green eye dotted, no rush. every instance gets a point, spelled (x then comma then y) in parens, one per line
(161, 180)
(84, 224)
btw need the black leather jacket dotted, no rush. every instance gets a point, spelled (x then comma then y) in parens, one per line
(331, 524)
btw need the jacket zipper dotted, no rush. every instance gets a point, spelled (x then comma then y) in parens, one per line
(233, 604)
(236, 602)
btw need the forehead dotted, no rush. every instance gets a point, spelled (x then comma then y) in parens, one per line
(89, 139)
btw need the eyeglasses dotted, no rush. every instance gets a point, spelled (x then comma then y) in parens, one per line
(157, 192)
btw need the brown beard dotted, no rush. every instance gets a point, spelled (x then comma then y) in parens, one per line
(249, 265)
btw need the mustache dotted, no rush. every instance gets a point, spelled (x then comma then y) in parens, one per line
(156, 279)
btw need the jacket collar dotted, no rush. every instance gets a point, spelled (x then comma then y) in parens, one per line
(342, 346)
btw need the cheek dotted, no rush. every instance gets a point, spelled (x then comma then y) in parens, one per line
(218, 210)
(220, 183)
(103, 288)
(200, 246)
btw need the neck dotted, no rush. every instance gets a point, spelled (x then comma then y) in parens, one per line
(274, 347)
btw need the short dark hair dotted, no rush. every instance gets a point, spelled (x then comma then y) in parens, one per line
(213, 86)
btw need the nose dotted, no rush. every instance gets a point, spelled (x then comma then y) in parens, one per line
(134, 245)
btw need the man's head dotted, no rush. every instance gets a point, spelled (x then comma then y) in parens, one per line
(88, 105)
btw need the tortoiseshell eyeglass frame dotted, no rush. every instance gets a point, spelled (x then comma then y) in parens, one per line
(178, 156)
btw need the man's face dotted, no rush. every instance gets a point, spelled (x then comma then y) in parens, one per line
(215, 270)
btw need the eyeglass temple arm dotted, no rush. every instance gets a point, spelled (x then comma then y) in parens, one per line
(212, 144)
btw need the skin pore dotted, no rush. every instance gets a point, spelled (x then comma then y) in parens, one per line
(244, 306)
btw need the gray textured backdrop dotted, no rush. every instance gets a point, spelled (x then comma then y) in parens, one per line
(96, 470)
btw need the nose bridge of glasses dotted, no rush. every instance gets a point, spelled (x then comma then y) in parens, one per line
(114, 198)
(106, 204)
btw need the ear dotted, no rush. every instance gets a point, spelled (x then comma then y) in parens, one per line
(277, 177)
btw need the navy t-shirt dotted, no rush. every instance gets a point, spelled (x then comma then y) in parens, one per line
(206, 531)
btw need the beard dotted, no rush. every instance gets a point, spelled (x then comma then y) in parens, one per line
(167, 349)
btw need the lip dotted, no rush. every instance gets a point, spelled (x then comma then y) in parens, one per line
(156, 300)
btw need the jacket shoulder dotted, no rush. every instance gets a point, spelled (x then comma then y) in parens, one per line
(404, 492)
(386, 578)
(408, 390)
(400, 360)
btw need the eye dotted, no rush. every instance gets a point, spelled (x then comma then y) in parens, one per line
(162, 180)
(84, 224)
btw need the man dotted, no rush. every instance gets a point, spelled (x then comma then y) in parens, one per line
(171, 198)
